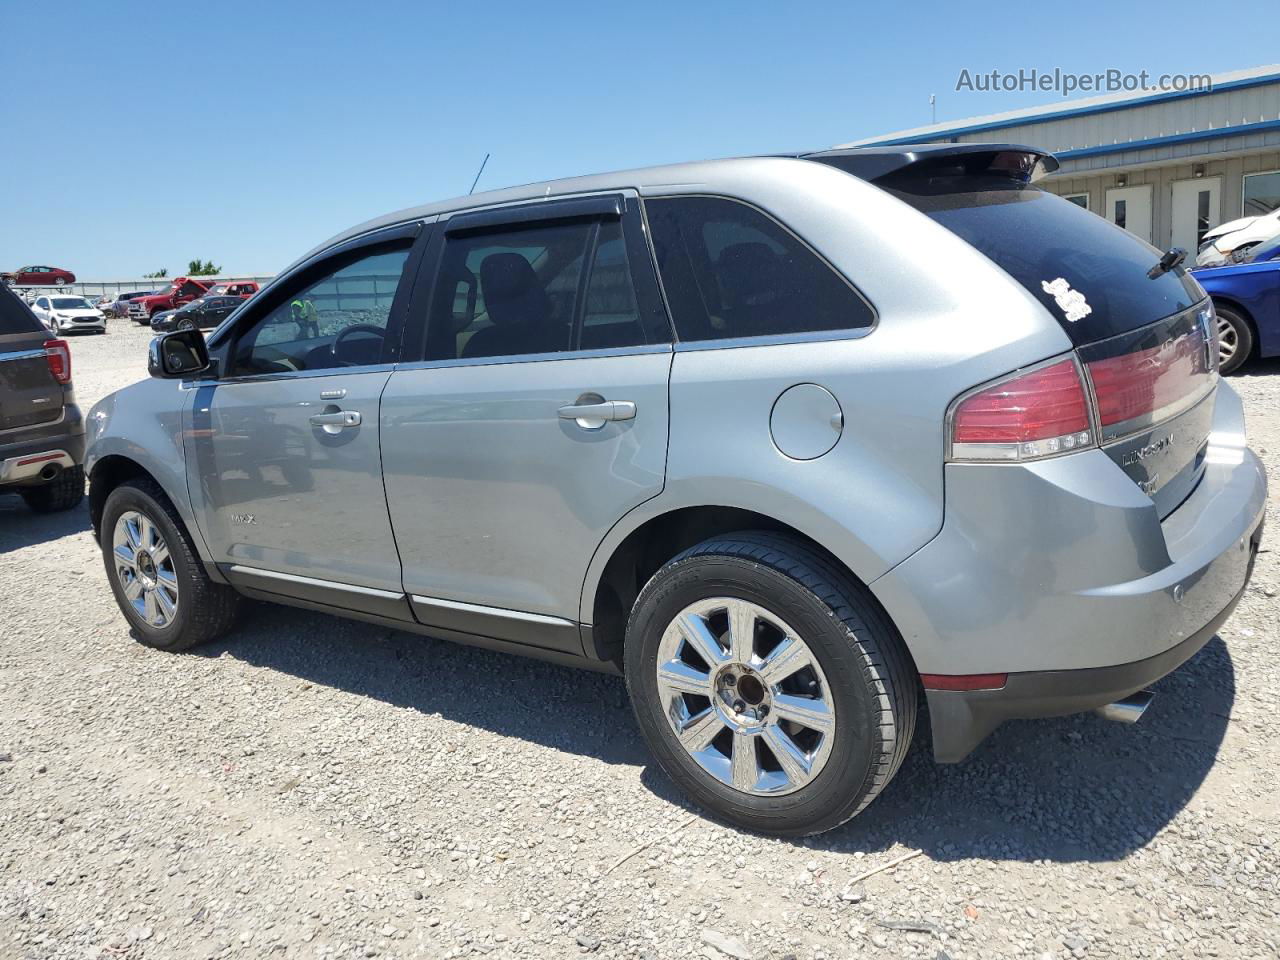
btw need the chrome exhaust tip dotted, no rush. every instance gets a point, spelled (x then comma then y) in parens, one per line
(1128, 710)
(50, 471)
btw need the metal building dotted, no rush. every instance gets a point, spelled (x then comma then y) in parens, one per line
(1166, 166)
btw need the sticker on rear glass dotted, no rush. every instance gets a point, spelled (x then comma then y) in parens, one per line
(1070, 302)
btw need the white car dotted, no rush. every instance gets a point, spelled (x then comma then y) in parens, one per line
(1236, 237)
(66, 314)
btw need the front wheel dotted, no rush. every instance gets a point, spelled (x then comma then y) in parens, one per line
(155, 573)
(1235, 339)
(769, 684)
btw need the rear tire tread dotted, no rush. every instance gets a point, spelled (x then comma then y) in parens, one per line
(62, 493)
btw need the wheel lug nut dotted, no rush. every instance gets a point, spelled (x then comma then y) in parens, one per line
(764, 710)
(730, 680)
(739, 706)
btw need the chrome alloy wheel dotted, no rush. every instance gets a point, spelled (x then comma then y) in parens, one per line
(145, 568)
(1228, 341)
(745, 696)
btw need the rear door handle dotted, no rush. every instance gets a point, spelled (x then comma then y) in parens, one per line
(593, 416)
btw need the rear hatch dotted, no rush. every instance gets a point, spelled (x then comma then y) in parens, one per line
(29, 394)
(1145, 337)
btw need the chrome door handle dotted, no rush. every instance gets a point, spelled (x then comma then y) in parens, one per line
(593, 416)
(339, 420)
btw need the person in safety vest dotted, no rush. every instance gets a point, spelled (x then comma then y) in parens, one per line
(304, 314)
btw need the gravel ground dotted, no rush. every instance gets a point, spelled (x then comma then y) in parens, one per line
(317, 787)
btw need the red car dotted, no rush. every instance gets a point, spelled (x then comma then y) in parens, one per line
(32, 276)
(181, 290)
(244, 289)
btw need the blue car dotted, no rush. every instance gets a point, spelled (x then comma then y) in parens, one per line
(1247, 298)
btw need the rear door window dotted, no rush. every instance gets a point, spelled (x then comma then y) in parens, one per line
(730, 271)
(1089, 274)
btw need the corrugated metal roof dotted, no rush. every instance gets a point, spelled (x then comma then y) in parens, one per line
(1220, 83)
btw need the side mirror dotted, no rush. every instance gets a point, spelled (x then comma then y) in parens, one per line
(177, 355)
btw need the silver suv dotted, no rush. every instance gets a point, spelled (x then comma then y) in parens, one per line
(784, 440)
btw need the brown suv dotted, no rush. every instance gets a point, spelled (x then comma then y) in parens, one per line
(41, 430)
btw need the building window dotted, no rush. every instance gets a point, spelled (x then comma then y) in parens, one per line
(1202, 216)
(1261, 193)
(1121, 213)
(1079, 199)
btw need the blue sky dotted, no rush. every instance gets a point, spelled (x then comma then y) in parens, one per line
(142, 135)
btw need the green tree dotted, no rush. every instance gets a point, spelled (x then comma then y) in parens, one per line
(202, 268)
(159, 274)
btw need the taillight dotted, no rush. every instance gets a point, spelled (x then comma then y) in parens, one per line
(1151, 382)
(1040, 413)
(58, 353)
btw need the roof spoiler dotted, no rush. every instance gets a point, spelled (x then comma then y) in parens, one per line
(932, 159)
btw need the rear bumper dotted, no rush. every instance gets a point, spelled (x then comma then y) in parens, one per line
(21, 460)
(960, 720)
(1062, 575)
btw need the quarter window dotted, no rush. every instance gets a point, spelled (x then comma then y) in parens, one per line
(338, 320)
(522, 290)
(730, 271)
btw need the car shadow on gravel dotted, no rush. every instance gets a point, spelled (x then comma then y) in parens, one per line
(559, 707)
(21, 527)
(1257, 368)
(1067, 789)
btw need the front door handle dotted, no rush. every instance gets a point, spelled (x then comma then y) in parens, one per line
(336, 421)
(593, 416)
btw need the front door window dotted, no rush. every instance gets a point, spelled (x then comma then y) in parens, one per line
(337, 320)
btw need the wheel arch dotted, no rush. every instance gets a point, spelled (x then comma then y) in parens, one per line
(634, 551)
(107, 473)
(109, 470)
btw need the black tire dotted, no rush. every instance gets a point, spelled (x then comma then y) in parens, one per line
(185, 325)
(205, 609)
(872, 680)
(62, 493)
(1244, 338)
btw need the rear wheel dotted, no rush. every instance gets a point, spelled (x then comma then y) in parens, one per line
(62, 493)
(157, 578)
(769, 684)
(1235, 339)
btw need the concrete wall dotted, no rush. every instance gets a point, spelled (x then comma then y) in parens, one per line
(96, 288)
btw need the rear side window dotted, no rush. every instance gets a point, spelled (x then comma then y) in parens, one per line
(16, 316)
(731, 271)
(542, 288)
(1089, 274)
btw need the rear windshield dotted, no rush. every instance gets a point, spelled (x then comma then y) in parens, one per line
(16, 316)
(1090, 274)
